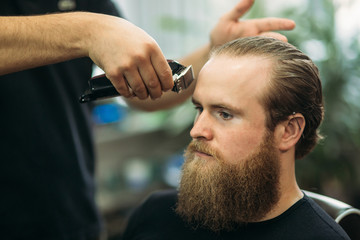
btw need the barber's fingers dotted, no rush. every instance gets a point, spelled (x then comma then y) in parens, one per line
(275, 35)
(151, 77)
(272, 24)
(162, 70)
(239, 10)
(151, 80)
(148, 75)
(142, 81)
(136, 83)
(121, 85)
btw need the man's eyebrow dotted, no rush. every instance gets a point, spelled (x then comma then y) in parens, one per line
(194, 101)
(225, 106)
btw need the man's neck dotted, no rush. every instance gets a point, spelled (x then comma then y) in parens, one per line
(289, 190)
(287, 198)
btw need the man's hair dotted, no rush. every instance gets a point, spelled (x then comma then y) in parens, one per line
(295, 85)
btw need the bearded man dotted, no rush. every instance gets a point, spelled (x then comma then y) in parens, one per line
(259, 103)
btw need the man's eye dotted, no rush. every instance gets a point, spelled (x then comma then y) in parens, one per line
(225, 115)
(198, 109)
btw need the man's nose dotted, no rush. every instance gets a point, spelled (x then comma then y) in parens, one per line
(202, 128)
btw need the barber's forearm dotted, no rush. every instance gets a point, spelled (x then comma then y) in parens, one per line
(126, 53)
(33, 41)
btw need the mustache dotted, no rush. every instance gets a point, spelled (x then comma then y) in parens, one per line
(200, 146)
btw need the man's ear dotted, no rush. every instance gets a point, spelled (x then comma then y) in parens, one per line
(290, 131)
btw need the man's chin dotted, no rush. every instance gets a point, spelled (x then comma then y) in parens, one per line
(202, 164)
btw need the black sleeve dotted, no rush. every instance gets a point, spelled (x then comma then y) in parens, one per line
(105, 7)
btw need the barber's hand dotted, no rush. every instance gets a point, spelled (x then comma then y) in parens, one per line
(230, 27)
(130, 58)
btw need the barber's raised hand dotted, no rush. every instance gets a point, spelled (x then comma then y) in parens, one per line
(230, 27)
(130, 58)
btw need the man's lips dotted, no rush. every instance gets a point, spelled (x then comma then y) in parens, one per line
(202, 154)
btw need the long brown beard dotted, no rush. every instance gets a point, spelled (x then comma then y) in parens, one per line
(221, 196)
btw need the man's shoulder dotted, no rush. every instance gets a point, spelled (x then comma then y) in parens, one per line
(164, 198)
(303, 220)
(316, 218)
(155, 218)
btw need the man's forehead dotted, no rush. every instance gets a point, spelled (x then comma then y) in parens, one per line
(245, 75)
(236, 63)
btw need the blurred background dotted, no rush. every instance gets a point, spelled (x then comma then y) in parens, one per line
(142, 152)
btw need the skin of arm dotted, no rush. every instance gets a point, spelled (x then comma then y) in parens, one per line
(228, 28)
(28, 42)
(127, 54)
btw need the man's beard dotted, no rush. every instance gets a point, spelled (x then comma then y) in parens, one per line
(222, 196)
